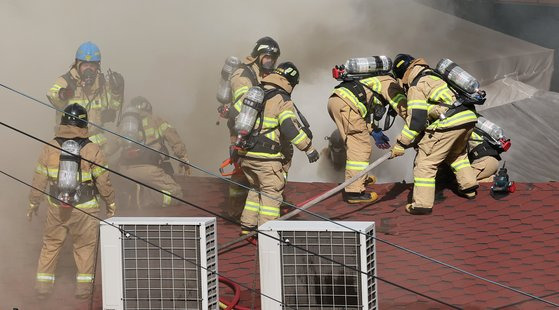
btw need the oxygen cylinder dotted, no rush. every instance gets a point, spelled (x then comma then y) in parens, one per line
(68, 171)
(462, 79)
(252, 105)
(494, 131)
(368, 64)
(130, 126)
(224, 89)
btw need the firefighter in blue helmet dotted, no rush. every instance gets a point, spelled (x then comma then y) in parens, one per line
(85, 84)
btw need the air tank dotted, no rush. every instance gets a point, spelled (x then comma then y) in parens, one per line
(365, 65)
(224, 90)
(490, 128)
(130, 126)
(68, 171)
(252, 105)
(457, 75)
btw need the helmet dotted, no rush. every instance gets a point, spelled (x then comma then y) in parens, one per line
(289, 71)
(88, 51)
(141, 103)
(74, 115)
(266, 46)
(401, 64)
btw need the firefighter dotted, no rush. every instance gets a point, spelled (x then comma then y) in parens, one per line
(77, 183)
(350, 107)
(259, 64)
(149, 167)
(445, 127)
(86, 85)
(485, 148)
(262, 163)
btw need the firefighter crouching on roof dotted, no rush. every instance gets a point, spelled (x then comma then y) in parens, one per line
(140, 124)
(485, 146)
(356, 106)
(86, 85)
(267, 115)
(250, 72)
(77, 183)
(446, 132)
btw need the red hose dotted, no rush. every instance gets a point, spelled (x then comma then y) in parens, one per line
(236, 289)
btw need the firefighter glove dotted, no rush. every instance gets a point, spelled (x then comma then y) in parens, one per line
(111, 209)
(312, 155)
(184, 169)
(32, 209)
(65, 93)
(116, 82)
(381, 140)
(397, 150)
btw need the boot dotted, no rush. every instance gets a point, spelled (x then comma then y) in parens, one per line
(83, 290)
(412, 209)
(359, 197)
(371, 180)
(43, 290)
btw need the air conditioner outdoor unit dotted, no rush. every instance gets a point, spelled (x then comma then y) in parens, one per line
(302, 280)
(137, 275)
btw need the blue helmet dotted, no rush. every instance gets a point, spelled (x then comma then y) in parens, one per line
(88, 51)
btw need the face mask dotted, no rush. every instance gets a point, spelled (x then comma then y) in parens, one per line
(268, 67)
(88, 77)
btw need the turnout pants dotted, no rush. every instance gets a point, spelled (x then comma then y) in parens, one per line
(156, 177)
(433, 149)
(355, 133)
(267, 177)
(485, 168)
(238, 194)
(84, 231)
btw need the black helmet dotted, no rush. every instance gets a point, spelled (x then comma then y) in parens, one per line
(74, 115)
(266, 46)
(141, 103)
(401, 64)
(289, 71)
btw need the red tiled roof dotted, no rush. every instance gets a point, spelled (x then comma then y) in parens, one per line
(513, 241)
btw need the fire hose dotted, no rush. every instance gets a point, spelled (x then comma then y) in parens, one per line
(231, 305)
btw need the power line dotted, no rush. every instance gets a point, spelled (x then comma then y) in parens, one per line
(213, 213)
(287, 203)
(128, 234)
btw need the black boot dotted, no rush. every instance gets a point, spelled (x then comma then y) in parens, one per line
(359, 197)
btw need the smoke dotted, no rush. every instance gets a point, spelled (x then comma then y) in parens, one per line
(172, 51)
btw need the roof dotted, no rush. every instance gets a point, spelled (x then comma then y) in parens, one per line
(512, 241)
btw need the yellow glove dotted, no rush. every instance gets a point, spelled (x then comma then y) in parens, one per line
(184, 169)
(397, 150)
(32, 209)
(111, 209)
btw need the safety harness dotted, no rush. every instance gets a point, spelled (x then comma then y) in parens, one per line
(257, 140)
(485, 148)
(377, 111)
(463, 103)
(136, 155)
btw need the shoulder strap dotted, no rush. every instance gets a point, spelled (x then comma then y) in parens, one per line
(425, 72)
(270, 93)
(83, 142)
(356, 88)
(376, 95)
(60, 140)
(249, 74)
